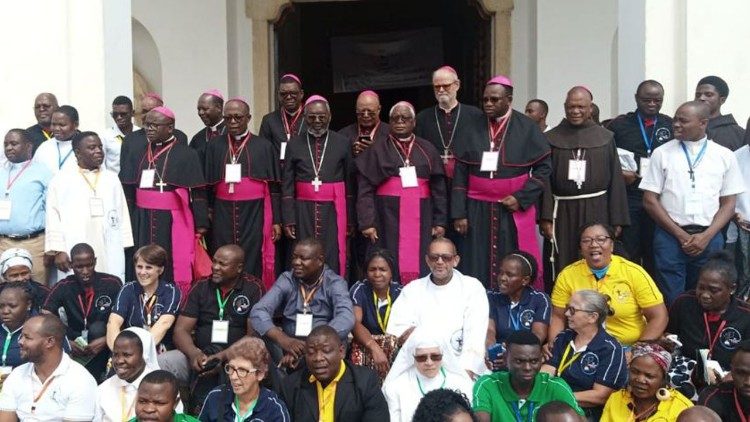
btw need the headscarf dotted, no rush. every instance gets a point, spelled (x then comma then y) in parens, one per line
(659, 354)
(13, 257)
(149, 347)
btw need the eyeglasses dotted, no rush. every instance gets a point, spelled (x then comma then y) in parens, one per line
(241, 372)
(600, 240)
(443, 87)
(398, 118)
(364, 113)
(572, 311)
(435, 357)
(293, 94)
(316, 117)
(434, 257)
(235, 118)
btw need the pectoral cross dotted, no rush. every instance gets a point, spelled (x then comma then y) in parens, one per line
(316, 184)
(446, 156)
(161, 185)
(231, 188)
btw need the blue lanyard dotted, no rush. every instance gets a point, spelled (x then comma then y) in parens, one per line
(517, 410)
(60, 159)
(514, 322)
(694, 163)
(646, 140)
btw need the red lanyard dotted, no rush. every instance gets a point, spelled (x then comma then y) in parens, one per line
(406, 152)
(13, 180)
(495, 130)
(147, 307)
(741, 414)
(234, 155)
(712, 341)
(288, 128)
(150, 153)
(87, 309)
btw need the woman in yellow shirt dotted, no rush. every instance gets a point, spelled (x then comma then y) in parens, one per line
(647, 397)
(638, 305)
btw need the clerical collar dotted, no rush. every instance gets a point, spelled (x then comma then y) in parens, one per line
(215, 127)
(294, 113)
(162, 143)
(244, 134)
(695, 146)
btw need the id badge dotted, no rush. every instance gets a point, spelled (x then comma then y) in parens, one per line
(304, 325)
(233, 173)
(489, 161)
(96, 206)
(220, 332)
(693, 204)
(283, 150)
(577, 170)
(147, 179)
(645, 163)
(408, 177)
(5, 207)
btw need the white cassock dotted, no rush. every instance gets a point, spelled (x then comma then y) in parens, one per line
(458, 310)
(56, 155)
(75, 214)
(112, 143)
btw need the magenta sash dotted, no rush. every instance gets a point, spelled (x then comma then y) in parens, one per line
(409, 220)
(183, 230)
(248, 190)
(329, 192)
(493, 190)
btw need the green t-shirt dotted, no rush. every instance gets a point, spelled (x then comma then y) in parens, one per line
(493, 394)
(178, 417)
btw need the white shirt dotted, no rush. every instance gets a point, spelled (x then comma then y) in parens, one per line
(112, 143)
(70, 219)
(69, 395)
(403, 394)
(53, 152)
(458, 309)
(717, 174)
(109, 401)
(743, 199)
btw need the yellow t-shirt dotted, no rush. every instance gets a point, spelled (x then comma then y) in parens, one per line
(617, 409)
(629, 287)
(327, 395)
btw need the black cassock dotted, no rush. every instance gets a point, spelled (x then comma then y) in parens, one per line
(375, 167)
(200, 140)
(273, 127)
(241, 222)
(317, 219)
(492, 232)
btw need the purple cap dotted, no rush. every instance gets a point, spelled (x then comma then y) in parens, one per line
(314, 99)
(240, 99)
(165, 111)
(500, 80)
(215, 93)
(291, 76)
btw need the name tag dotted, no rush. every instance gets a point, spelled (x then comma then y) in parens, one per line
(220, 332)
(577, 170)
(489, 161)
(693, 205)
(96, 207)
(5, 207)
(304, 325)
(233, 173)
(408, 177)
(645, 163)
(147, 179)
(283, 150)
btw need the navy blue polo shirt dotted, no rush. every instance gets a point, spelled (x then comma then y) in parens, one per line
(361, 293)
(129, 305)
(218, 406)
(602, 362)
(533, 306)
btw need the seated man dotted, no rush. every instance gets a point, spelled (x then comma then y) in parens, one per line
(51, 386)
(16, 265)
(84, 299)
(517, 393)
(731, 399)
(309, 295)
(213, 318)
(312, 393)
(157, 399)
(448, 302)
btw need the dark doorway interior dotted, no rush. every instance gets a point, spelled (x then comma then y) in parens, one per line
(305, 31)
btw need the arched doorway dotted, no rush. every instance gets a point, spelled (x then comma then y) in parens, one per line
(391, 46)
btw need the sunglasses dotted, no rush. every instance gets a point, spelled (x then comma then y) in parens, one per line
(435, 357)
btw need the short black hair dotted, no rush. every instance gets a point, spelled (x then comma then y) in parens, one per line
(720, 84)
(542, 103)
(52, 326)
(722, 262)
(526, 260)
(23, 287)
(80, 136)
(609, 229)
(439, 405)
(161, 376)
(80, 249)
(649, 82)
(23, 134)
(522, 338)
(381, 253)
(549, 411)
(312, 242)
(69, 111)
(130, 336)
(325, 330)
(122, 100)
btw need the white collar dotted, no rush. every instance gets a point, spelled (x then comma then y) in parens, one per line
(215, 127)
(238, 137)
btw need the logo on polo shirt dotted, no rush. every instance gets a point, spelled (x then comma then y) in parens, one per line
(241, 304)
(589, 363)
(526, 318)
(730, 337)
(158, 310)
(622, 292)
(103, 302)
(113, 219)
(457, 340)
(663, 134)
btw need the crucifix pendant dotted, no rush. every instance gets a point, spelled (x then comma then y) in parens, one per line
(316, 184)
(447, 156)
(161, 185)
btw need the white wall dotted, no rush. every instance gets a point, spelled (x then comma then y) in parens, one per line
(523, 52)
(82, 55)
(191, 38)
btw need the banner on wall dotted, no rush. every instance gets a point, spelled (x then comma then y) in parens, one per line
(386, 60)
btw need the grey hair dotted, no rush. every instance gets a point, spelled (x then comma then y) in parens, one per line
(596, 302)
(405, 104)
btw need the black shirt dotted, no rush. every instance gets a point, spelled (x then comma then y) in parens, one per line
(720, 399)
(203, 305)
(70, 294)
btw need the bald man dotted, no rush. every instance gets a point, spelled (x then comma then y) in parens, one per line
(44, 105)
(210, 108)
(700, 414)
(690, 190)
(586, 183)
(244, 194)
